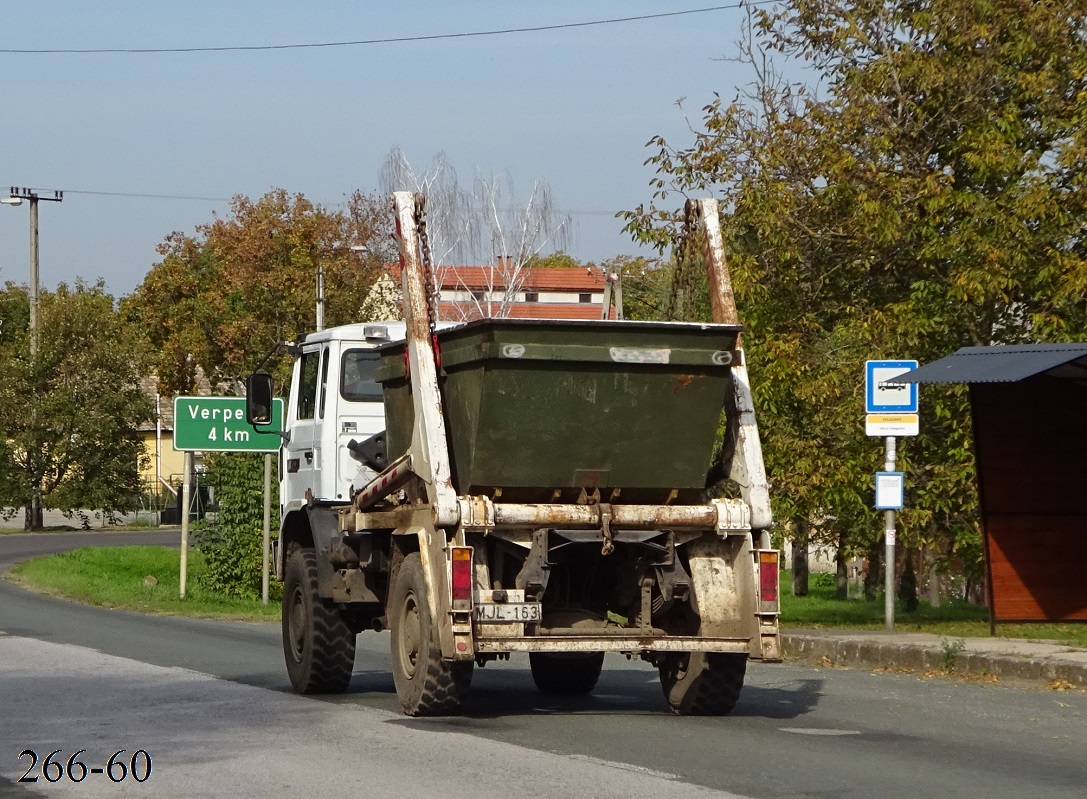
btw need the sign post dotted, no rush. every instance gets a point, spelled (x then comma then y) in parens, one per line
(186, 496)
(217, 424)
(891, 410)
(889, 535)
(266, 541)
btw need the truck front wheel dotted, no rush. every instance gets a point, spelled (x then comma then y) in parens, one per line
(565, 674)
(702, 683)
(425, 684)
(318, 644)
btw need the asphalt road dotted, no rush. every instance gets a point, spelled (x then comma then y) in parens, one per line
(72, 676)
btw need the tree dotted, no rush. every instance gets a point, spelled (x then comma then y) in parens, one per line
(556, 260)
(481, 225)
(220, 299)
(232, 546)
(69, 419)
(930, 196)
(646, 285)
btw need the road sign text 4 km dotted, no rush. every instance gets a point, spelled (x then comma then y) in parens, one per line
(217, 424)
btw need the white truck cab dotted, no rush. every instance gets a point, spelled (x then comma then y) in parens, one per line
(333, 401)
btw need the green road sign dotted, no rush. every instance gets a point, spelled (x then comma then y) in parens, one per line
(217, 424)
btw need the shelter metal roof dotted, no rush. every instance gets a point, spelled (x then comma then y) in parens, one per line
(1003, 364)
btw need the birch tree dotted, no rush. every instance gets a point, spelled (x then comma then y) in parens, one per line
(484, 225)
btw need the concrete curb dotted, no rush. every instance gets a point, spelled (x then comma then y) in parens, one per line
(1007, 659)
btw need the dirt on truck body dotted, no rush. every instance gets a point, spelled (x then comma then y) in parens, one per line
(524, 486)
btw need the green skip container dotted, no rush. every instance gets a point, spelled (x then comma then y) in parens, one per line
(542, 410)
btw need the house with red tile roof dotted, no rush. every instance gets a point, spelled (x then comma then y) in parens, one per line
(473, 292)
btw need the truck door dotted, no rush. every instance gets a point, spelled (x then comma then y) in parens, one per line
(361, 415)
(302, 453)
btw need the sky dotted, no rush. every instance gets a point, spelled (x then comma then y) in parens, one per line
(572, 107)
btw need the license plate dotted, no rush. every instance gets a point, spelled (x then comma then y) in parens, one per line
(495, 612)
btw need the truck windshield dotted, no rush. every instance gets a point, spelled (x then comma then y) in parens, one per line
(357, 382)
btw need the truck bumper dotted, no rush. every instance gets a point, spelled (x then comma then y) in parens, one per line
(624, 644)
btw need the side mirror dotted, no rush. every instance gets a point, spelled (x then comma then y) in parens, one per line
(258, 399)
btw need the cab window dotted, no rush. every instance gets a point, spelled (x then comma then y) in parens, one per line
(357, 382)
(307, 387)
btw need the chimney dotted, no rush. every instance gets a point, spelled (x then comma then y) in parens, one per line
(505, 263)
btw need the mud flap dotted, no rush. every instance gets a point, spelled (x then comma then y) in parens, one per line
(723, 583)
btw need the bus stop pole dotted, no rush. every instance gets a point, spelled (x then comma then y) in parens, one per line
(889, 545)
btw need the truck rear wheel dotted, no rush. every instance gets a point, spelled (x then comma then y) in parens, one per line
(702, 683)
(425, 684)
(565, 674)
(318, 644)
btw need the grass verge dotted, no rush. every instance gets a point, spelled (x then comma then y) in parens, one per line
(116, 577)
(820, 609)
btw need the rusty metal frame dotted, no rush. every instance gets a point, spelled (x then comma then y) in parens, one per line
(726, 516)
(480, 514)
(743, 448)
(429, 443)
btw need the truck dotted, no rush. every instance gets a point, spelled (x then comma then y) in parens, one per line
(524, 486)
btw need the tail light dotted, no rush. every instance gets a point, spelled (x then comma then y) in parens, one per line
(768, 580)
(460, 581)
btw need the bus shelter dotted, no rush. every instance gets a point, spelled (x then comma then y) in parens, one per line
(1028, 404)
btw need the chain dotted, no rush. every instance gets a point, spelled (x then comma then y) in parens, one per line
(428, 275)
(680, 277)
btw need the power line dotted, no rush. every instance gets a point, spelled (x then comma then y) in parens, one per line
(391, 40)
(148, 196)
(135, 194)
(572, 212)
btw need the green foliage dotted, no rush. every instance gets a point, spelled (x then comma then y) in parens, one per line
(822, 609)
(69, 418)
(645, 285)
(930, 196)
(231, 546)
(949, 652)
(559, 259)
(220, 299)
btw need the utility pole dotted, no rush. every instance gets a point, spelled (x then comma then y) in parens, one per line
(320, 297)
(32, 196)
(17, 195)
(613, 292)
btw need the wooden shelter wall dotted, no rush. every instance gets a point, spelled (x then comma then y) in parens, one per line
(1031, 444)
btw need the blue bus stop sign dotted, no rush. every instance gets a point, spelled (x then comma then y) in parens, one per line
(883, 397)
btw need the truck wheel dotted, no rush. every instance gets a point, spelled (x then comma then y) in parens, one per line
(425, 684)
(702, 683)
(565, 674)
(318, 644)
